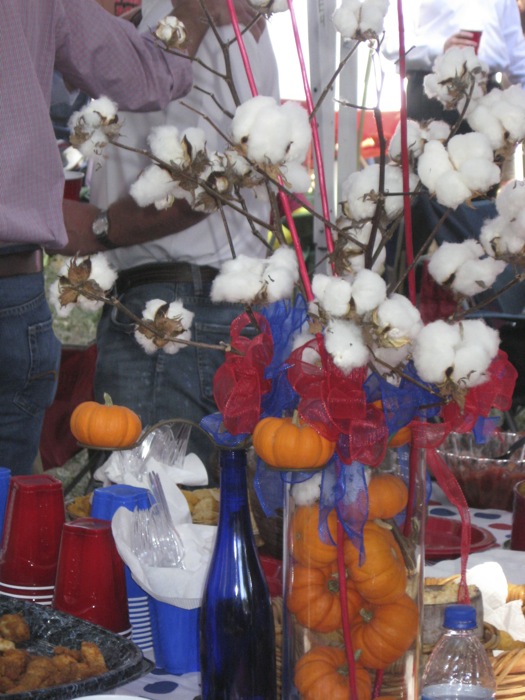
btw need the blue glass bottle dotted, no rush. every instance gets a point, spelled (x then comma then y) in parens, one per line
(237, 637)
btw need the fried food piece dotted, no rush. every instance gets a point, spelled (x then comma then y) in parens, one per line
(13, 664)
(92, 656)
(80, 507)
(40, 673)
(14, 628)
(6, 644)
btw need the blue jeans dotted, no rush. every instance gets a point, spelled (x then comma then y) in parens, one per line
(162, 386)
(29, 364)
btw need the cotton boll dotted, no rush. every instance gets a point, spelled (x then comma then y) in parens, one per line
(332, 293)
(102, 272)
(196, 138)
(297, 176)
(394, 185)
(399, 318)
(434, 350)
(451, 191)
(476, 332)
(490, 235)
(511, 199)
(356, 191)
(368, 291)
(446, 260)
(285, 257)
(513, 241)
(270, 136)
(433, 163)
(152, 184)
(344, 342)
(301, 133)
(470, 365)
(372, 16)
(306, 493)
(309, 354)
(246, 114)
(476, 276)
(415, 140)
(479, 174)
(482, 120)
(346, 18)
(62, 311)
(239, 280)
(281, 274)
(464, 147)
(436, 130)
(164, 142)
(512, 118)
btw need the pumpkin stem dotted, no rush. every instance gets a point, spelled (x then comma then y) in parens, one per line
(367, 615)
(108, 401)
(295, 419)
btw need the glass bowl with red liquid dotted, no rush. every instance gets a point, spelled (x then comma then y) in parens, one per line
(486, 482)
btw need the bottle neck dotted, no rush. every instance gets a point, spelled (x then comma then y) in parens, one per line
(233, 484)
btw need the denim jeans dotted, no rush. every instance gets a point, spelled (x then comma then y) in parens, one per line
(163, 386)
(29, 364)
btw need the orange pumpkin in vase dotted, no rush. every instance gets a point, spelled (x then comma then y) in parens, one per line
(368, 537)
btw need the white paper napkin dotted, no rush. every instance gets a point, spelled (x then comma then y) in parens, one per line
(492, 581)
(180, 587)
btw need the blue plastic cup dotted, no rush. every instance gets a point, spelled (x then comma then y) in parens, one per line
(175, 637)
(106, 501)
(5, 481)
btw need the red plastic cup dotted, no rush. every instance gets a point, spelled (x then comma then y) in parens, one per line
(34, 518)
(73, 180)
(517, 535)
(476, 36)
(91, 582)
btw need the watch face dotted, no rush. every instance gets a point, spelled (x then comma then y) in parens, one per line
(100, 225)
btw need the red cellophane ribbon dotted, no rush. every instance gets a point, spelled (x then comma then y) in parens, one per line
(334, 404)
(496, 392)
(239, 382)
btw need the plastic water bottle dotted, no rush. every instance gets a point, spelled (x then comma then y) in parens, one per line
(236, 623)
(459, 666)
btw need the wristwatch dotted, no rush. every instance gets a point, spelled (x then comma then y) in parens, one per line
(100, 228)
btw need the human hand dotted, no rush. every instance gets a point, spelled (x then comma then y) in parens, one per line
(463, 38)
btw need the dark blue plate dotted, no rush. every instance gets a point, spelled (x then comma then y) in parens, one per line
(51, 628)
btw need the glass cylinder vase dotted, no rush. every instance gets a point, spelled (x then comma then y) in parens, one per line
(237, 636)
(354, 552)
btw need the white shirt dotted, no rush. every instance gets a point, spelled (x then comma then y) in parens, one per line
(429, 23)
(205, 243)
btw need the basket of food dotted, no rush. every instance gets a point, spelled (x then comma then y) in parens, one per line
(486, 480)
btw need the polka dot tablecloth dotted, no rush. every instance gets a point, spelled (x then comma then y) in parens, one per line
(497, 522)
(160, 685)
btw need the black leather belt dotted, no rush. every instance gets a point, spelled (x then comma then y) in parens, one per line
(24, 262)
(164, 272)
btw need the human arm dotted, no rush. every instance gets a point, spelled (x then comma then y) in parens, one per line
(102, 54)
(129, 224)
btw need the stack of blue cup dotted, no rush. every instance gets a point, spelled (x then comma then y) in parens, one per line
(106, 501)
(5, 480)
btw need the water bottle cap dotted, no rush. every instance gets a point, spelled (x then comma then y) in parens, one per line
(460, 617)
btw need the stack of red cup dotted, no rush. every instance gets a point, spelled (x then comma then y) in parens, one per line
(34, 518)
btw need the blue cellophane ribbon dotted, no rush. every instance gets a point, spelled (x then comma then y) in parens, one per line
(344, 488)
(286, 321)
(404, 401)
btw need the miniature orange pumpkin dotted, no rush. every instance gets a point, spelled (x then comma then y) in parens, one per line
(382, 577)
(383, 633)
(306, 545)
(105, 425)
(387, 495)
(314, 598)
(323, 673)
(286, 443)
